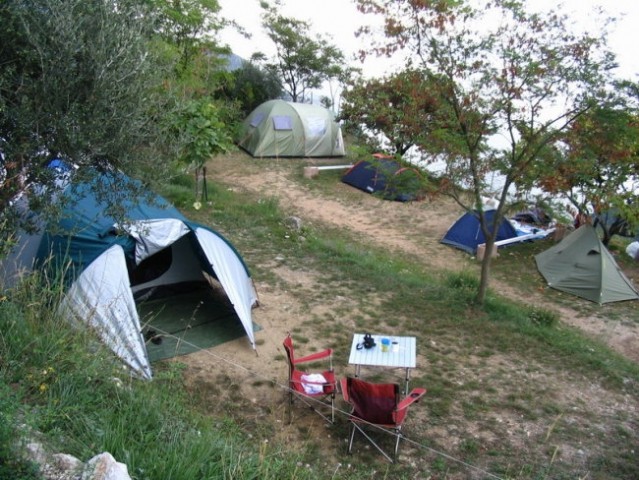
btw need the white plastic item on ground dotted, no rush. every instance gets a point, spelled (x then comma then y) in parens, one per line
(633, 250)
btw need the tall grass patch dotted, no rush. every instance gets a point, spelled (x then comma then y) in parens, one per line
(59, 381)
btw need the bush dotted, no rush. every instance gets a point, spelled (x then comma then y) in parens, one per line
(542, 317)
(464, 285)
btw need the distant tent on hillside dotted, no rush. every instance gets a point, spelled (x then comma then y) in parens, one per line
(386, 177)
(110, 266)
(285, 129)
(466, 233)
(612, 222)
(581, 265)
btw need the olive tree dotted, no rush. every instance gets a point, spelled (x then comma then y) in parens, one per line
(78, 81)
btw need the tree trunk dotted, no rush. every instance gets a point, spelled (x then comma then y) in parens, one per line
(485, 272)
(197, 183)
(204, 187)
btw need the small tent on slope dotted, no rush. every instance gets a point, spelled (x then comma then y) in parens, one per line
(466, 233)
(111, 266)
(386, 177)
(582, 265)
(278, 128)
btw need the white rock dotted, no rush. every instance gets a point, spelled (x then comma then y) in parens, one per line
(36, 453)
(66, 462)
(105, 467)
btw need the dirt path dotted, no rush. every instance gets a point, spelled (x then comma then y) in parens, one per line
(413, 228)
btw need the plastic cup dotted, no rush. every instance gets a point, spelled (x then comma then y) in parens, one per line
(385, 344)
(395, 347)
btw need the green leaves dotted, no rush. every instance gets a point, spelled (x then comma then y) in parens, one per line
(79, 81)
(404, 108)
(595, 163)
(302, 62)
(204, 133)
(508, 81)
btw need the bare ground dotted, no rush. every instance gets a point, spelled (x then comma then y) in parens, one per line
(415, 228)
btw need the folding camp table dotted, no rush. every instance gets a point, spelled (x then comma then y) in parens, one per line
(401, 355)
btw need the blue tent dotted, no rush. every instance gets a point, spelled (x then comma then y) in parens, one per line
(109, 265)
(385, 177)
(466, 233)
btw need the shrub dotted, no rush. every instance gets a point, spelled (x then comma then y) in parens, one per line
(464, 284)
(542, 317)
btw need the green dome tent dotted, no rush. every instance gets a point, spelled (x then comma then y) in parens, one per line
(582, 265)
(285, 129)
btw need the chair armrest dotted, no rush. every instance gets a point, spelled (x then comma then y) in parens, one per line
(314, 356)
(411, 398)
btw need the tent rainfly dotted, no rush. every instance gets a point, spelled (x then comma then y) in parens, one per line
(278, 128)
(111, 265)
(386, 177)
(466, 233)
(582, 265)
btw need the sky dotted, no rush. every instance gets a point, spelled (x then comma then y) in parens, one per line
(336, 19)
(339, 19)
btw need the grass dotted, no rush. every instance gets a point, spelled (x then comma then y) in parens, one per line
(484, 369)
(398, 294)
(60, 382)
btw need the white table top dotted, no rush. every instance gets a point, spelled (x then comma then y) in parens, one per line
(404, 358)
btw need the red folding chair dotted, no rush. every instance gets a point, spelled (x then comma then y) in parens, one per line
(377, 407)
(315, 389)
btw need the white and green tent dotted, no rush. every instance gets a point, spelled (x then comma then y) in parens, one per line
(110, 267)
(278, 128)
(582, 265)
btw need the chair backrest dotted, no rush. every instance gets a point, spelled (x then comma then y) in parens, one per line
(373, 402)
(290, 353)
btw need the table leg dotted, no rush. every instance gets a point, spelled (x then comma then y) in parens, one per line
(407, 381)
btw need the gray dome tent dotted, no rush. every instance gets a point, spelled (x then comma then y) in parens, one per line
(285, 129)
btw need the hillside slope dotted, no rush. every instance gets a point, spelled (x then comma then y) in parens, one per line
(500, 402)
